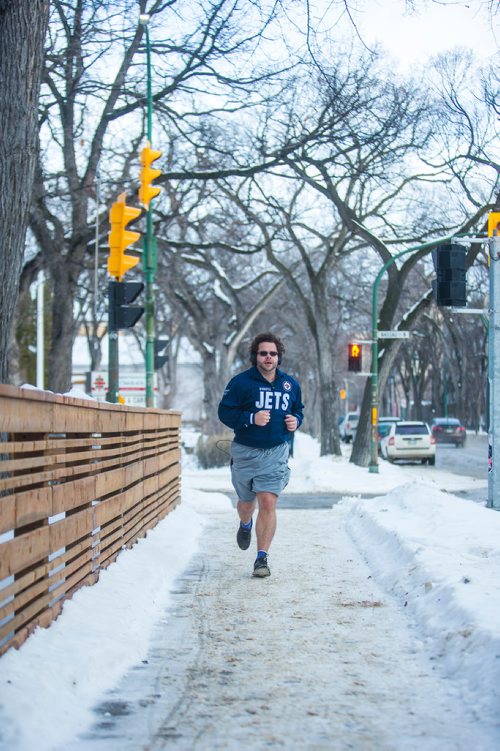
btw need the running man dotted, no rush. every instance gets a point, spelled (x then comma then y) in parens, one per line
(263, 405)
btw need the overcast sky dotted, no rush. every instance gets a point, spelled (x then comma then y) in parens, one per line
(433, 28)
(411, 37)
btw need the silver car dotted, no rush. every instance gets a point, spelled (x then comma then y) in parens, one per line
(349, 426)
(411, 441)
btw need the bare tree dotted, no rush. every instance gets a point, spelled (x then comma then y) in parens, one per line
(466, 134)
(219, 286)
(346, 151)
(93, 105)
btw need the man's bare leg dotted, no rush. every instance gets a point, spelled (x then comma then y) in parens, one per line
(245, 510)
(265, 526)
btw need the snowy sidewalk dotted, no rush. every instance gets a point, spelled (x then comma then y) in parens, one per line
(315, 657)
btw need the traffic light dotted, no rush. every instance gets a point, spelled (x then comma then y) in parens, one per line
(120, 238)
(122, 315)
(148, 174)
(450, 285)
(493, 223)
(160, 360)
(354, 358)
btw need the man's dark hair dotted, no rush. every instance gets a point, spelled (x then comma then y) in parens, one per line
(254, 347)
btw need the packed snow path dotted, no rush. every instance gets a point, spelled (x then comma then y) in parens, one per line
(314, 657)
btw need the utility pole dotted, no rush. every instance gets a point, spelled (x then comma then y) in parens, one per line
(122, 315)
(146, 193)
(494, 365)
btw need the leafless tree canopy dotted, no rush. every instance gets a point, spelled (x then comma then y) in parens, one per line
(292, 173)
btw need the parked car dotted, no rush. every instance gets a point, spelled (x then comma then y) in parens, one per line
(411, 441)
(348, 426)
(388, 419)
(448, 430)
(383, 430)
(384, 425)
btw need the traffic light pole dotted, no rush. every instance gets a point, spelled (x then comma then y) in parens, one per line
(113, 368)
(494, 377)
(120, 293)
(150, 254)
(149, 244)
(113, 352)
(373, 466)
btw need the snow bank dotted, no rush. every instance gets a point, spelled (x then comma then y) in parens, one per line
(439, 555)
(49, 686)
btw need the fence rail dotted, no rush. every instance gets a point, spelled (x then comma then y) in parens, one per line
(79, 481)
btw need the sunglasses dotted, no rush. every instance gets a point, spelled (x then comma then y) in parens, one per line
(263, 353)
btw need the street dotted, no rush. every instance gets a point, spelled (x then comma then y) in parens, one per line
(472, 460)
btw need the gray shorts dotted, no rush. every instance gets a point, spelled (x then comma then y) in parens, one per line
(259, 470)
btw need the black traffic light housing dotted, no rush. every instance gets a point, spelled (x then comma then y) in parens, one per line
(354, 358)
(160, 359)
(450, 262)
(122, 315)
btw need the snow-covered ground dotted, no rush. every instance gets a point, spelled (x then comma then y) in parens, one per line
(433, 553)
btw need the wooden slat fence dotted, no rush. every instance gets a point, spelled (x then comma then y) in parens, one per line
(79, 481)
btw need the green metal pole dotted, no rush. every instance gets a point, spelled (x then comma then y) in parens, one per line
(113, 348)
(149, 311)
(149, 249)
(149, 87)
(373, 466)
(113, 368)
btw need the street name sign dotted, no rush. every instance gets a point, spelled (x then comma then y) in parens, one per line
(393, 334)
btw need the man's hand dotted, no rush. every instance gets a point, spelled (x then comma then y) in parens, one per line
(262, 418)
(291, 423)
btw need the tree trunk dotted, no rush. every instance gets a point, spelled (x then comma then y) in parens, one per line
(63, 330)
(330, 443)
(361, 450)
(328, 391)
(212, 394)
(23, 25)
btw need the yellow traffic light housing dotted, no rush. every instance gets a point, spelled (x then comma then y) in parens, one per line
(120, 238)
(493, 223)
(148, 174)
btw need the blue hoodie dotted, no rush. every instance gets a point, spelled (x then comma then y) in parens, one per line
(249, 392)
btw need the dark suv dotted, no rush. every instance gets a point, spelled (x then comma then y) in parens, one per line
(448, 430)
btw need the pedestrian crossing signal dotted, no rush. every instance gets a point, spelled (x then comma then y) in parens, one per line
(123, 315)
(354, 358)
(450, 286)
